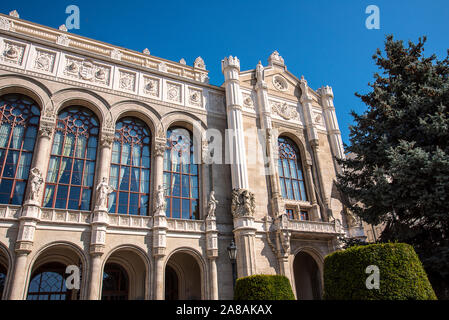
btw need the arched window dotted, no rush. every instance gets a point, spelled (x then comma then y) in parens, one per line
(290, 171)
(180, 175)
(48, 283)
(71, 170)
(130, 168)
(115, 283)
(19, 121)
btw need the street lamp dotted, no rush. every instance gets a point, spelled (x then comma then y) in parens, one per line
(232, 251)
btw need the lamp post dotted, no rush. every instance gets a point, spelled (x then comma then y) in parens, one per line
(232, 251)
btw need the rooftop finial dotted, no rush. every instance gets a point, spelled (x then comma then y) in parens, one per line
(14, 14)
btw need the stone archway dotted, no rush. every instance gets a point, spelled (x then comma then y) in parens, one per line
(307, 277)
(4, 265)
(125, 276)
(183, 277)
(48, 275)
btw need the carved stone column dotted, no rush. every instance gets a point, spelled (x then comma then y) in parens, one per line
(104, 159)
(19, 278)
(158, 167)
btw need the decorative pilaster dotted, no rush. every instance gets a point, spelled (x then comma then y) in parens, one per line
(312, 134)
(231, 68)
(243, 204)
(266, 125)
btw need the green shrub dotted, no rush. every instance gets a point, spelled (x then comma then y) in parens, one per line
(402, 276)
(263, 287)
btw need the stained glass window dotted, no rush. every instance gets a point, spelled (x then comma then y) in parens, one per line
(71, 169)
(19, 121)
(130, 168)
(180, 175)
(290, 171)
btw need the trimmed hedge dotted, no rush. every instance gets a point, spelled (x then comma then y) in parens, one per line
(263, 287)
(402, 276)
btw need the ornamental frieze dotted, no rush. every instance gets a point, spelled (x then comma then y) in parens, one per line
(284, 110)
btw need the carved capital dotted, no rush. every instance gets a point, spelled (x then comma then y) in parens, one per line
(159, 148)
(243, 203)
(106, 140)
(97, 249)
(46, 130)
(23, 247)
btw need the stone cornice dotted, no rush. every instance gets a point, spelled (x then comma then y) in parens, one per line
(76, 43)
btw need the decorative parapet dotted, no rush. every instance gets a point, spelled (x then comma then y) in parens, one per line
(61, 37)
(312, 227)
(180, 225)
(9, 212)
(127, 221)
(65, 216)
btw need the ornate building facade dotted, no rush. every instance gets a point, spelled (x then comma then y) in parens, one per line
(137, 172)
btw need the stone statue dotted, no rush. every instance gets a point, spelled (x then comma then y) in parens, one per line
(36, 183)
(103, 191)
(212, 205)
(160, 199)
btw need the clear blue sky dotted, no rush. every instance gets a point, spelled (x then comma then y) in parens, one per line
(324, 40)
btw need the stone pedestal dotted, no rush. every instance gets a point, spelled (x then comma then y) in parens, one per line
(99, 224)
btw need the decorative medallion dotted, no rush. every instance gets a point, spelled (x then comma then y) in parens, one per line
(44, 60)
(127, 80)
(173, 92)
(280, 83)
(195, 97)
(151, 86)
(86, 70)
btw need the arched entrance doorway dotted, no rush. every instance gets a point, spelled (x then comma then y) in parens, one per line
(4, 264)
(171, 284)
(183, 279)
(48, 275)
(115, 283)
(125, 275)
(307, 277)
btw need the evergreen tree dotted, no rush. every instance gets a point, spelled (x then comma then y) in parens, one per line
(399, 170)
